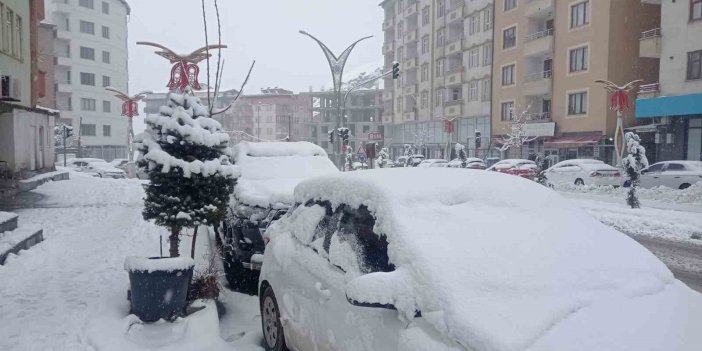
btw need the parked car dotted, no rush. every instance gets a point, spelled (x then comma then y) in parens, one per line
(433, 162)
(79, 164)
(407, 161)
(360, 263)
(519, 167)
(120, 163)
(103, 170)
(582, 172)
(673, 174)
(263, 192)
(471, 162)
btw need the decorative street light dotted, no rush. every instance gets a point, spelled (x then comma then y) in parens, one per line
(336, 64)
(619, 102)
(130, 108)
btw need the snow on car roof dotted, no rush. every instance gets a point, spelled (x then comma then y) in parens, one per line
(271, 170)
(499, 265)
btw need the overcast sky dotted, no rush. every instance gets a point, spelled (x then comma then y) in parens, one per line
(264, 30)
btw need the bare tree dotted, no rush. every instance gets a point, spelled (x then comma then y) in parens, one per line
(517, 135)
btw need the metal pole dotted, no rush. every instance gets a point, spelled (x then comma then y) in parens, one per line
(65, 136)
(289, 127)
(258, 123)
(130, 140)
(80, 131)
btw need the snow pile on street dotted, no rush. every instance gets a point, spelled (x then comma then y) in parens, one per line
(509, 264)
(663, 194)
(268, 172)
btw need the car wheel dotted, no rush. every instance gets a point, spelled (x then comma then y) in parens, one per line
(273, 335)
(239, 278)
(684, 186)
(579, 182)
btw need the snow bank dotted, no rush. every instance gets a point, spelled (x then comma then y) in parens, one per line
(269, 172)
(499, 260)
(165, 264)
(691, 195)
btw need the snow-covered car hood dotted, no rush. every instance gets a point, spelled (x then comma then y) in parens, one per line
(105, 167)
(269, 172)
(511, 265)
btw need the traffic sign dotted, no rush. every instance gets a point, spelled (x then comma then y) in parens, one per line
(361, 150)
(375, 135)
(362, 158)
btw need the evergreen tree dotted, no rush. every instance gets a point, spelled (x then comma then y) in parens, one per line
(383, 157)
(461, 154)
(634, 163)
(186, 156)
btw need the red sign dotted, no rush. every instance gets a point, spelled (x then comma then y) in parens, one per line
(448, 126)
(375, 135)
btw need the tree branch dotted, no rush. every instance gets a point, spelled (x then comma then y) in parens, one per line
(207, 45)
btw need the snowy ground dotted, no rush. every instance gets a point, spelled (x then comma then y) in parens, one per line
(59, 294)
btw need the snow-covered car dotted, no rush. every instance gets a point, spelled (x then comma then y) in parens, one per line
(583, 172)
(519, 167)
(471, 162)
(433, 162)
(673, 174)
(103, 170)
(268, 174)
(363, 264)
(120, 163)
(79, 164)
(409, 161)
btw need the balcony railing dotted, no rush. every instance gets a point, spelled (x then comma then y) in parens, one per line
(538, 35)
(649, 88)
(537, 76)
(539, 116)
(649, 34)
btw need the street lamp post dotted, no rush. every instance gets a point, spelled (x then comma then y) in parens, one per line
(620, 103)
(258, 121)
(336, 64)
(130, 109)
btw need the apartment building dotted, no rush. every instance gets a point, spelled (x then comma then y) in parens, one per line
(91, 54)
(547, 56)
(671, 106)
(364, 117)
(445, 52)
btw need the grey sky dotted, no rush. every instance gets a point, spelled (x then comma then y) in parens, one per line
(264, 30)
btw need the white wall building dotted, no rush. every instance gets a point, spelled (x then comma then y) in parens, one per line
(91, 50)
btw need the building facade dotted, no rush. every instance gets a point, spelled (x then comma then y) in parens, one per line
(445, 52)
(91, 54)
(671, 106)
(547, 57)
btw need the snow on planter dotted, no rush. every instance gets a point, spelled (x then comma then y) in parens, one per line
(165, 264)
(497, 262)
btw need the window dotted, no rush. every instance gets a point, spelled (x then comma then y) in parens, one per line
(440, 38)
(579, 14)
(106, 57)
(87, 104)
(399, 6)
(487, 19)
(400, 29)
(474, 57)
(106, 130)
(578, 59)
(509, 37)
(87, 53)
(695, 10)
(694, 65)
(440, 8)
(87, 78)
(425, 73)
(425, 16)
(508, 75)
(456, 93)
(474, 24)
(510, 4)
(487, 54)
(425, 44)
(440, 63)
(87, 27)
(105, 8)
(507, 111)
(18, 38)
(106, 32)
(4, 30)
(439, 97)
(68, 77)
(106, 106)
(486, 89)
(9, 31)
(86, 3)
(577, 103)
(106, 81)
(424, 100)
(658, 167)
(87, 130)
(473, 91)
(675, 167)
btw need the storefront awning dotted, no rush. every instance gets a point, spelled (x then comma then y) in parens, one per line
(572, 141)
(681, 105)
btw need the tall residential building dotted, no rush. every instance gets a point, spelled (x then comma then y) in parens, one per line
(547, 56)
(672, 104)
(364, 116)
(445, 52)
(91, 50)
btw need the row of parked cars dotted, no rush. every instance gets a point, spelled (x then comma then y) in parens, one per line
(98, 167)
(343, 261)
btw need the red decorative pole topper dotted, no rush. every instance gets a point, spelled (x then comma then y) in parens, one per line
(619, 102)
(448, 126)
(185, 70)
(130, 104)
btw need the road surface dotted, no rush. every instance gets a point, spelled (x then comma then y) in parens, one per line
(683, 259)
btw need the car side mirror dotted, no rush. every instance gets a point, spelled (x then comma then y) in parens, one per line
(382, 290)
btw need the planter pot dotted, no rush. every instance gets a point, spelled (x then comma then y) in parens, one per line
(159, 286)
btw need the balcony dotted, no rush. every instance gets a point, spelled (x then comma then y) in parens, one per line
(538, 8)
(537, 83)
(454, 46)
(538, 117)
(650, 43)
(64, 88)
(649, 91)
(411, 35)
(62, 34)
(64, 61)
(455, 76)
(411, 9)
(389, 23)
(455, 14)
(388, 48)
(539, 42)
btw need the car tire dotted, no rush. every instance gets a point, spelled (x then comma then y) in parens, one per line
(239, 278)
(684, 186)
(579, 182)
(273, 334)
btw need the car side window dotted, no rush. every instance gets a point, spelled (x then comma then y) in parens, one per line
(325, 229)
(655, 168)
(675, 167)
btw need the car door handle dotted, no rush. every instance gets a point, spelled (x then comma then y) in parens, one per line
(324, 294)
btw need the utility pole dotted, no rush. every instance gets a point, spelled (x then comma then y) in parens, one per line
(65, 136)
(80, 133)
(258, 122)
(289, 127)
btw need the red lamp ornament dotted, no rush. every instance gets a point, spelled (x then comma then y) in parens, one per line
(130, 108)
(185, 70)
(619, 101)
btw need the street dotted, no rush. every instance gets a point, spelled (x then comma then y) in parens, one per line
(683, 259)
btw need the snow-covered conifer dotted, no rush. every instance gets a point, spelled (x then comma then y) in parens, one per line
(461, 154)
(633, 163)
